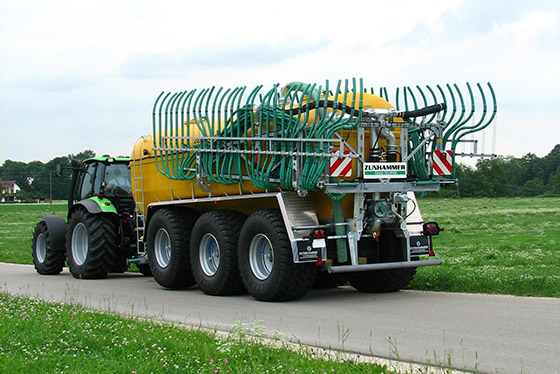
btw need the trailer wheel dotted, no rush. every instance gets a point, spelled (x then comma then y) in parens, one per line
(266, 262)
(329, 280)
(91, 244)
(47, 261)
(381, 280)
(144, 269)
(390, 280)
(169, 232)
(214, 252)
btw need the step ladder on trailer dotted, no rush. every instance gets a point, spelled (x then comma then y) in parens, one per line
(138, 169)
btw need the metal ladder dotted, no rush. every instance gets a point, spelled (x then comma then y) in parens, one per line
(138, 170)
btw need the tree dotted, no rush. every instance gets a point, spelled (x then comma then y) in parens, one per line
(60, 184)
(472, 183)
(495, 174)
(533, 187)
(39, 184)
(553, 186)
(88, 153)
(21, 195)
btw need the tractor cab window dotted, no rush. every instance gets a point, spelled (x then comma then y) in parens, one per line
(117, 180)
(87, 181)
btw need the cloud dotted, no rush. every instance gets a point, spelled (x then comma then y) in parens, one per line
(56, 82)
(73, 68)
(223, 55)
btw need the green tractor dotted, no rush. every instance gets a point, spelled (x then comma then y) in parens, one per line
(100, 235)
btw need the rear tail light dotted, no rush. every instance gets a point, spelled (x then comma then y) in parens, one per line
(431, 228)
(318, 234)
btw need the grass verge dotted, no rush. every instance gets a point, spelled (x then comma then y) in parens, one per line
(498, 246)
(16, 229)
(56, 338)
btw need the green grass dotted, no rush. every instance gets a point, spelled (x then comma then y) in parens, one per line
(498, 246)
(17, 222)
(57, 338)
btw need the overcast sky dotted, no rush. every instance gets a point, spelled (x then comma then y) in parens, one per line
(79, 75)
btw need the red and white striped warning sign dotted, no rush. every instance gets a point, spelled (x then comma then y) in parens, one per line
(341, 166)
(443, 162)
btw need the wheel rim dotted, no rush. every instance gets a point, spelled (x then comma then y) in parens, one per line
(41, 248)
(209, 254)
(162, 248)
(79, 244)
(261, 256)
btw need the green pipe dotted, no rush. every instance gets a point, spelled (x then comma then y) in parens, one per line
(340, 230)
(460, 123)
(413, 97)
(481, 125)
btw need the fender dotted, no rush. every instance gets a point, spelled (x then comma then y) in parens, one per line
(95, 205)
(57, 231)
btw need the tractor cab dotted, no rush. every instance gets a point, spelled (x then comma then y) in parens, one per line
(105, 180)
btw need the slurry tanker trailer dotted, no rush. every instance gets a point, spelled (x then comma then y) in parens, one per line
(270, 192)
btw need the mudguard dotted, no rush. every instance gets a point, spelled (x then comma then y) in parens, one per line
(96, 205)
(57, 231)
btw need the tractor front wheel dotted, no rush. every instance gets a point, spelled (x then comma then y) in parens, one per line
(46, 258)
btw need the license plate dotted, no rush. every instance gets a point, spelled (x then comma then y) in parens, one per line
(420, 245)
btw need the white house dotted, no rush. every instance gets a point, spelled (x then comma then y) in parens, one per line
(8, 191)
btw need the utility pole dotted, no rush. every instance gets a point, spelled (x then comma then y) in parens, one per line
(50, 186)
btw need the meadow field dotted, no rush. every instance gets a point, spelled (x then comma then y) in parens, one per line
(500, 246)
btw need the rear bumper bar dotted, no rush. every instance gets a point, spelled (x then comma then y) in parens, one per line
(383, 266)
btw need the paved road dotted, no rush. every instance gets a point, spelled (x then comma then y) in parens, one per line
(492, 334)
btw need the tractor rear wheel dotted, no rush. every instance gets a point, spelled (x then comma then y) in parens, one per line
(91, 244)
(169, 232)
(214, 252)
(46, 259)
(266, 261)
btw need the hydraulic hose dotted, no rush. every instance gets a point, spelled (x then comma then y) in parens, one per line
(407, 114)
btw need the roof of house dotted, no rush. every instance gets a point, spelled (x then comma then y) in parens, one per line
(7, 184)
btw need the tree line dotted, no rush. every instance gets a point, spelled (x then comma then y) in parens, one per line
(503, 176)
(508, 177)
(38, 180)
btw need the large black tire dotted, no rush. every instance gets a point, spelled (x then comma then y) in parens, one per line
(91, 244)
(169, 234)
(46, 259)
(214, 252)
(120, 265)
(266, 262)
(390, 280)
(144, 269)
(329, 280)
